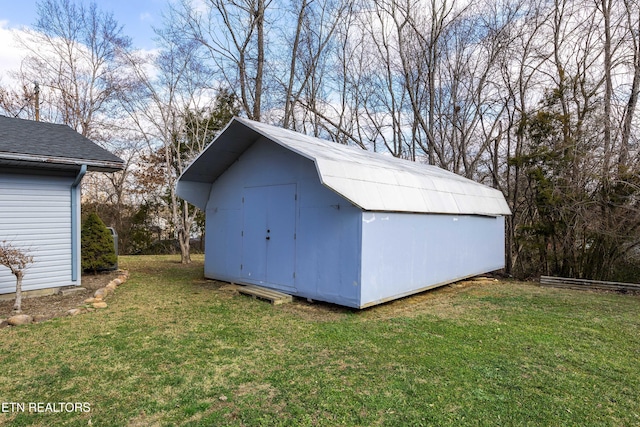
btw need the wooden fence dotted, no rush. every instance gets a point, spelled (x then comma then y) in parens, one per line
(565, 282)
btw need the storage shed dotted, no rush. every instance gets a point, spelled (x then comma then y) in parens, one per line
(335, 223)
(41, 166)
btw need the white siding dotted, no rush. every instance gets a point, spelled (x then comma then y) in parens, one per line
(35, 214)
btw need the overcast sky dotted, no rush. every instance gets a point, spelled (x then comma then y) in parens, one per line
(137, 17)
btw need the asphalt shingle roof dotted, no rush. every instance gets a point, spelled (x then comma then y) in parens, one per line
(39, 143)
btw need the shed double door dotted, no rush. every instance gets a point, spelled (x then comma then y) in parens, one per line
(268, 235)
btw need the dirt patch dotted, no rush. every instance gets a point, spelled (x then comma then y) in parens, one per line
(439, 301)
(307, 310)
(317, 311)
(48, 307)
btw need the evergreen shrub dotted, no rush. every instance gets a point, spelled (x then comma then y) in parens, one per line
(98, 252)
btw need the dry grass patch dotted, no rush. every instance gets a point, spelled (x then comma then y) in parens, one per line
(172, 344)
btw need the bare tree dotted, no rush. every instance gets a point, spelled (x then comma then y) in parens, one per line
(605, 7)
(234, 35)
(177, 114)
(157, 113)
(17, 260)
(632, 10)
(73, 53)
(303, 88)
(520, 76)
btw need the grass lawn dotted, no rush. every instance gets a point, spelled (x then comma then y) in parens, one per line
(174, 349)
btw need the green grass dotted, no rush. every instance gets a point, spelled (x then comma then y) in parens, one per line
(174, 349)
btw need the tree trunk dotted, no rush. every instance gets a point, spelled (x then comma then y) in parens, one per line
(288, 102)
(17, 306)
(185, 249)
(257, 107)
(633, 96)
(184, 234)
(608, 90)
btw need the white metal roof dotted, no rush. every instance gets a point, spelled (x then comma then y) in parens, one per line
(372, 181)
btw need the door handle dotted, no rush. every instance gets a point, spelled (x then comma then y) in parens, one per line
(268, 237)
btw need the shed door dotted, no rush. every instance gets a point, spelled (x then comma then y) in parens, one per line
(268, 236)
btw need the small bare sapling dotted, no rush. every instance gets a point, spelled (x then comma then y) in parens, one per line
(17, 260)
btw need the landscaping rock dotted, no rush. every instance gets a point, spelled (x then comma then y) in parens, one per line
(100, 293)
(20, 319)
(89, 305)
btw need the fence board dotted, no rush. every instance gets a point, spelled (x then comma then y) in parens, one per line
(567, 282)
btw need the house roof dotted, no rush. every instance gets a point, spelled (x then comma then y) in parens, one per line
(48, 145)
(372, 181)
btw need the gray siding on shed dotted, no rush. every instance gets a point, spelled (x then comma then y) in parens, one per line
(324, 247)
(404, 253)
(35, 214)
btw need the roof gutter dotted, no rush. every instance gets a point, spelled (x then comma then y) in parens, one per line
(101, 165)
(75, 224)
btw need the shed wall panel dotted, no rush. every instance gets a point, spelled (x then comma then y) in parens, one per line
(404, 253)
(326, 269)
(35, 214)
(328, 258)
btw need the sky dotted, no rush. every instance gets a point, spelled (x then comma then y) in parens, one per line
(137, 17)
